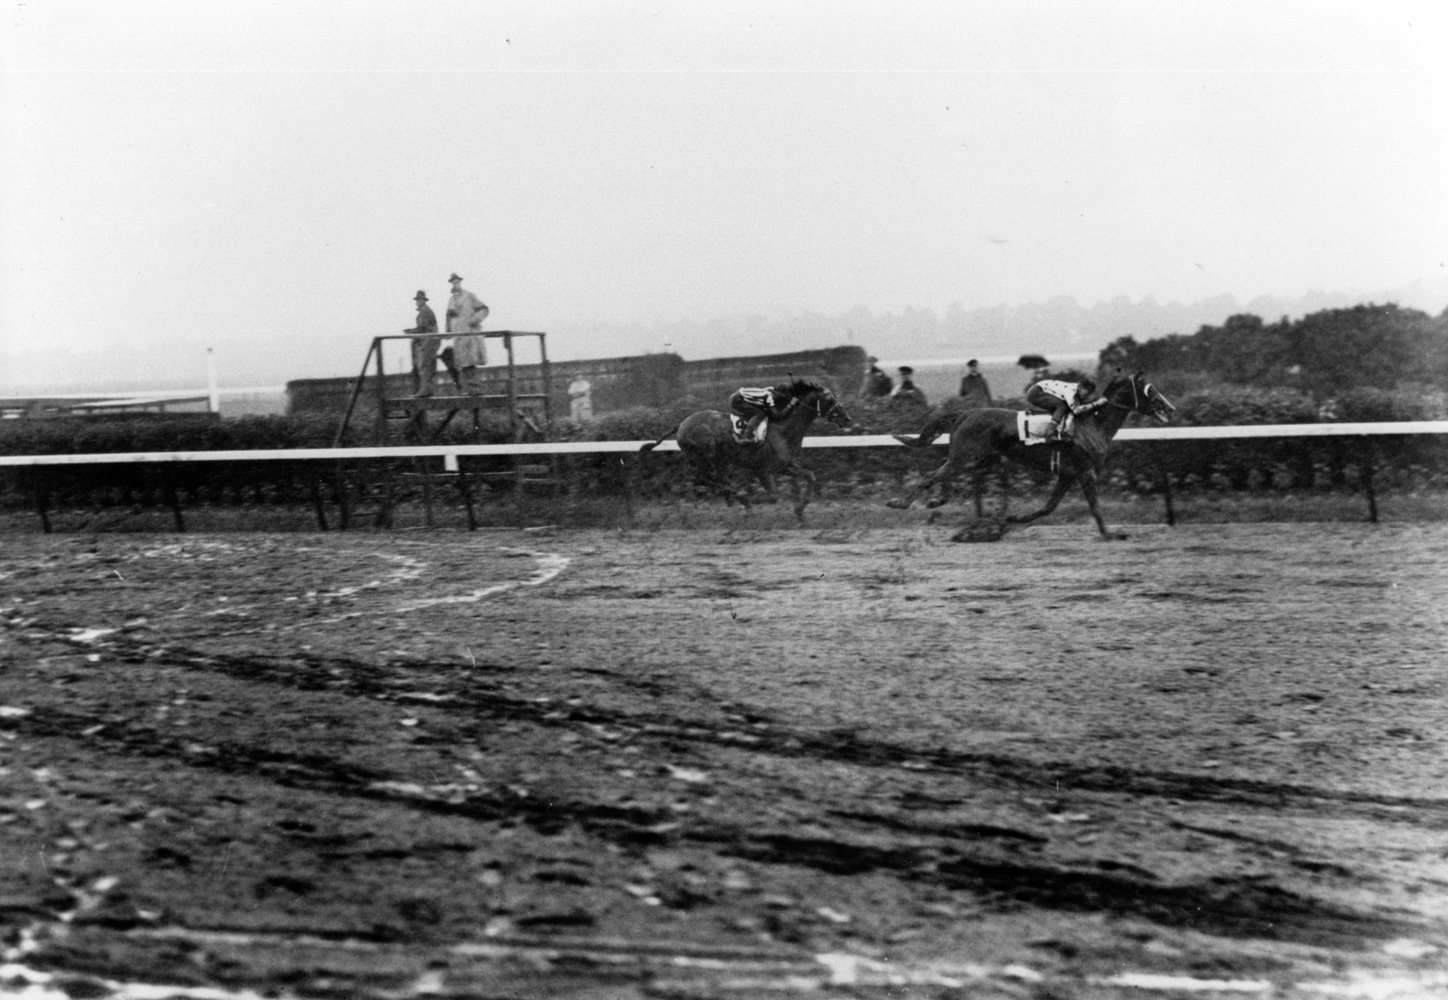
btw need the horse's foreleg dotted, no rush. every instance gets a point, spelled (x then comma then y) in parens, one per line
(712, 477)
(797, 472)
(766, 479)
(1063, 483)
(946, 492)
(802, 492)
(1088, 489)
(940, 474)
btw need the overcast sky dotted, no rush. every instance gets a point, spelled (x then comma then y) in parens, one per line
(225, 173)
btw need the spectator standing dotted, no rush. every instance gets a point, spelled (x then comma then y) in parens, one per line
(580, 400)
(465, 314)
(907, 391)
(877, 383)
(424, 348)
(973, 387)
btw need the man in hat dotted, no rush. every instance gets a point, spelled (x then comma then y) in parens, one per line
(877, 383)
(973, 388)
(465, 314)
(424, 348)
(908, 391)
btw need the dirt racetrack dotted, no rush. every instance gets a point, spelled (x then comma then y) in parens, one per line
(1207, 761)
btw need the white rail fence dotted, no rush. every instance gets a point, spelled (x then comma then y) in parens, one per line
(450, 453)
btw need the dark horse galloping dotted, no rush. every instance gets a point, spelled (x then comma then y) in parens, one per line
(981, 438)
(707, 440)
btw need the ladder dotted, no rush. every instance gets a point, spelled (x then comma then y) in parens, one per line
(530, 414)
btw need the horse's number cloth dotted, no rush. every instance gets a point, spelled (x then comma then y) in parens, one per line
(1032, 428)
(740, 423)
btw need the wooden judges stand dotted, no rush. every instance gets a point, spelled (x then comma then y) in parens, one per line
(528, 413)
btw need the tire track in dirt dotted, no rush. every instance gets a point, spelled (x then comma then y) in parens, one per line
(992, 863)
(560, 965)
(357, 678)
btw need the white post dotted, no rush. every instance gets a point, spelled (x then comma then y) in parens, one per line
(215, 403)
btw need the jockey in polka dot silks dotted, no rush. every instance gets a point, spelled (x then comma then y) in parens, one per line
(1059, 397)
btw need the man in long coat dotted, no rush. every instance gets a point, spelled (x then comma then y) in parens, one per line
(465, 314)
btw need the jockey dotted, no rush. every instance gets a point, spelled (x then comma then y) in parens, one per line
(1059, 397)
(757, 404)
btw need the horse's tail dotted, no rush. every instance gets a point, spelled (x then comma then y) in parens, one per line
(936, 426)
(654, 444)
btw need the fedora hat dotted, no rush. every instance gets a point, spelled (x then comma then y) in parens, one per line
(454, 277)
(421, 296)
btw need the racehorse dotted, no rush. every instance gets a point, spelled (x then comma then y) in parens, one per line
(980, 438)
(707, 440)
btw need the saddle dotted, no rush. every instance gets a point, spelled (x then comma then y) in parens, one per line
(740, 423)
(1033, 428)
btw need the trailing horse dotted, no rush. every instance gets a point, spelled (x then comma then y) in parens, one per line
(707, 440)
(981, 438)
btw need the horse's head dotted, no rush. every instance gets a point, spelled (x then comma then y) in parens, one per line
(819, 400)
(1133, 392)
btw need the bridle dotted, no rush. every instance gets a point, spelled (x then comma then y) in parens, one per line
(1136, 397)
(821, 409)
(817, 403)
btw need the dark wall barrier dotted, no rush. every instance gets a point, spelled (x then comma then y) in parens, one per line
(650, 380)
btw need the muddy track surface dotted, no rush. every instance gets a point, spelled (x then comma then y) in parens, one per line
(704, 764)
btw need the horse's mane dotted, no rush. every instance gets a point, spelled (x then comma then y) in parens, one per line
(1116, 382)
(800, 386)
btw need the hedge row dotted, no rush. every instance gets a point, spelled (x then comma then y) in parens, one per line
(1409, 462)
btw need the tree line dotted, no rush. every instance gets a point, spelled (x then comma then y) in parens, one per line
(1325, 354)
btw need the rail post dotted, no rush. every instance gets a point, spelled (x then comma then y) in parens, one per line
(315, 489)
(630, 463)
(1369, 454)
(168, 490)
(42, 498)
(1166, 494)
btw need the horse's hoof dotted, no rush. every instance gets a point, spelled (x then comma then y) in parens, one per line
(932, 504)
(1115, 536)
(897, 504)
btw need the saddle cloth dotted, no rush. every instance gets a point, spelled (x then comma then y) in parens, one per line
(1032, 428)
(740, 423)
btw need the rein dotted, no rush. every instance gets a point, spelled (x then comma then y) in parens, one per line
(1135, 406)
